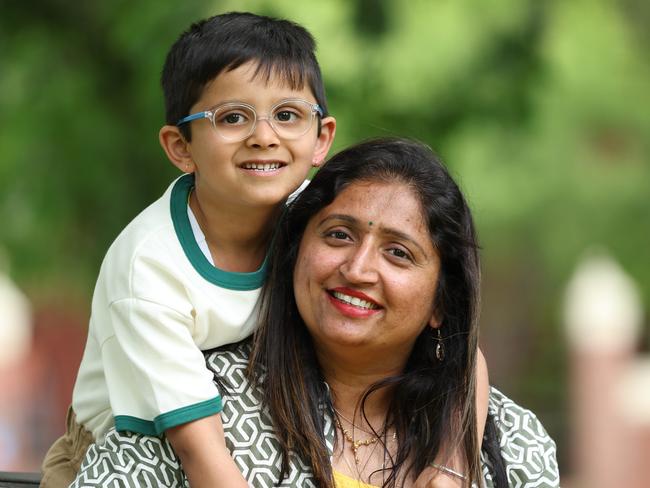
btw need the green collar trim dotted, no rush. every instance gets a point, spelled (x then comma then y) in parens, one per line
(225, 279)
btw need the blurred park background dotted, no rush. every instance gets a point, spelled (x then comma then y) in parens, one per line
(540, 108)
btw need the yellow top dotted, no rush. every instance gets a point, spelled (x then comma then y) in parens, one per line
(343, 481)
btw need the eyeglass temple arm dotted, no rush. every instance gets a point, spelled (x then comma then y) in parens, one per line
(190, 118)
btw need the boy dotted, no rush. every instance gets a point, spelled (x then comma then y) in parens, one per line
(184, 275)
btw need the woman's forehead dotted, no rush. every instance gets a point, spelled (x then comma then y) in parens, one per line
(391, 205)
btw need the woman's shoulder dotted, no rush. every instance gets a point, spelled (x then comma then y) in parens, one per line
(528, 452)
(511, 418)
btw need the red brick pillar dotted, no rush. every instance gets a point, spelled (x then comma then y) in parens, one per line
(633, 398)
(603, 320)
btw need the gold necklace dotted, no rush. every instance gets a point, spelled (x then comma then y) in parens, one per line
(354, 426)
(356, 469)
(356, 444)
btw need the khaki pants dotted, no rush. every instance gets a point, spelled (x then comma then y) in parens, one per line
(63, 459)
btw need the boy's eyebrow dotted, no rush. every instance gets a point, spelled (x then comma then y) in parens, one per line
(385, 230)
(240, 100)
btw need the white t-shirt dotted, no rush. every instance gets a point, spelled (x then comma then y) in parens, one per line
(158, 303)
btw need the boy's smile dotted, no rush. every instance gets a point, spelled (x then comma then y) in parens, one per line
(262, 170)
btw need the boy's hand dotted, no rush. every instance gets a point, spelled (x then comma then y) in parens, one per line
(201, 447)
(434, 478)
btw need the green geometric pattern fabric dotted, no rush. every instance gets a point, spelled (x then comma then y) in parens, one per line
(129, 460)
(528, 451)
(126, 459)
(249, 431)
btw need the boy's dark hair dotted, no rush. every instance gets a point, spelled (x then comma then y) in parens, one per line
(225, 42)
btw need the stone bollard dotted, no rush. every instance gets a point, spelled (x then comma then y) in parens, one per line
(15, 323)
(15, 346)
(603, 317)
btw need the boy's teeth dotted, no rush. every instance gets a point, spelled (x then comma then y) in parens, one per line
(357, 302)
(262, 167)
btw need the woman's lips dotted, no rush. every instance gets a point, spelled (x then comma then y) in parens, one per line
(353, 303)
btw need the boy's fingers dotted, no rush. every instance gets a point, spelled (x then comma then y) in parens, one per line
(433, 478)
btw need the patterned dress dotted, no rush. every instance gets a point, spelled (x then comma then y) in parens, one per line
(125, 459)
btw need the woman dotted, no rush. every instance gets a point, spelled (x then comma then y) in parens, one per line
(362, 373)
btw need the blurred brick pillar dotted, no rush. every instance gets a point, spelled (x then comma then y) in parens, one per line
(59, 339)
(633, 402)
(603, 319)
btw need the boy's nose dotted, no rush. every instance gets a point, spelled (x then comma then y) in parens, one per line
(263, 134)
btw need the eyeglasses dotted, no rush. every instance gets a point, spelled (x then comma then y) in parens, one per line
(236, 121)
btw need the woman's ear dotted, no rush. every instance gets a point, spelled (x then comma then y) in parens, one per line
(324, 141)
(176, 148)
(434, 322)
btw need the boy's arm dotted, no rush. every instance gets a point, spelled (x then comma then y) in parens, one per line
(433, 478)
(201, 448)
(482, 394)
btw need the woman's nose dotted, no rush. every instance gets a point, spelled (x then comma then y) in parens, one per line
(360, 266)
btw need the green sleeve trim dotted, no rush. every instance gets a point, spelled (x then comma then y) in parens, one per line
(225, 279)
(168, 420)
(134, 424)
(184, 415)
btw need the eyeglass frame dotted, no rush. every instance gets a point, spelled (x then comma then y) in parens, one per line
(210, 114)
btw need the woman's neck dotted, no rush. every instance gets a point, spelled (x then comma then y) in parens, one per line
(349, 382)
(366, 439)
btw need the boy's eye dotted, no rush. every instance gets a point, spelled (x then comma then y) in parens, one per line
(233, 118)
(287, 115)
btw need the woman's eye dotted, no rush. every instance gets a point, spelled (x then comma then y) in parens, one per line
(337, 234)
(400, 253)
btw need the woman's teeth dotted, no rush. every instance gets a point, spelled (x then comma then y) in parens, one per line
(357, 302)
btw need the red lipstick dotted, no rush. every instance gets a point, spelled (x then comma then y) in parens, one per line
(350, 309)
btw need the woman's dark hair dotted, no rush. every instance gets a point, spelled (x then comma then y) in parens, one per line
(433, 401)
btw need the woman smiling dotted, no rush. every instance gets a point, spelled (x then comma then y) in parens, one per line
(377, 324)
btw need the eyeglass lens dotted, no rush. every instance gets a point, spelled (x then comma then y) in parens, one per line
(290, 119)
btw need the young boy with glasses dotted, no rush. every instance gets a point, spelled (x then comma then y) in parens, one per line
(185, 275)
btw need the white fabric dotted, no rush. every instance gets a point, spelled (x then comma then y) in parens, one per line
(152, 315)
(199, 236)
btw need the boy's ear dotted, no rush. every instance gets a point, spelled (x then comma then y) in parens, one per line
(324, 141)
(176, 148)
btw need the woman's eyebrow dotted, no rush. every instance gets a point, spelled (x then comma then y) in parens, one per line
(343, 217)
(398, 234)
